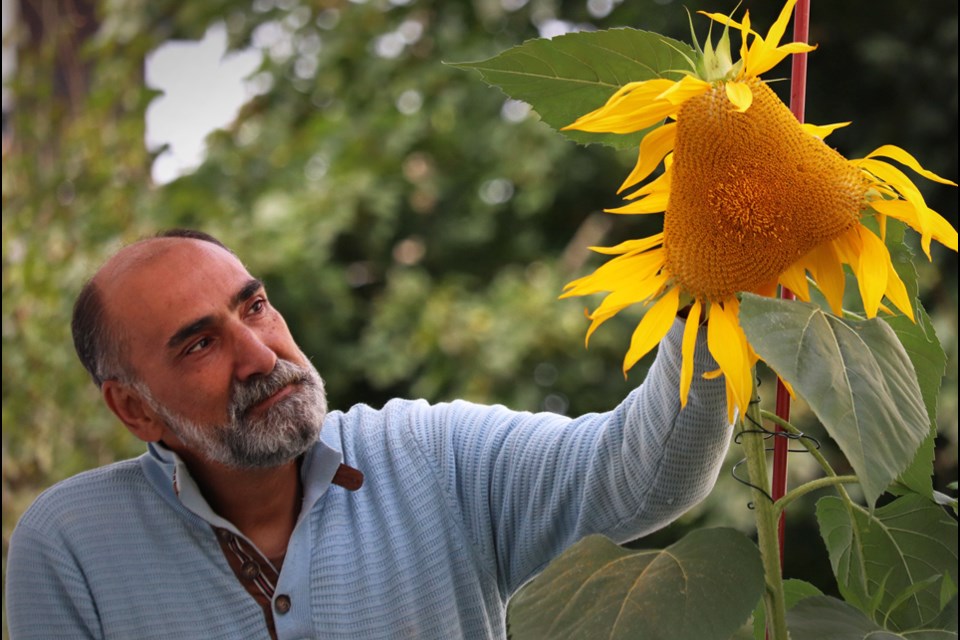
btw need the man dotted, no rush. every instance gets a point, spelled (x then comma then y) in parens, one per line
(245, 520)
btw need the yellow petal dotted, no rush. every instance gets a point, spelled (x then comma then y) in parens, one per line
(766, 59)
(632, 108)
(848, 246)
(745, 31)
(687, 87)
(626, 120)
(660, 184)
(653, 203)
(619, 300)
(823, 130)
(897, 292)
(625, 270)
(731, 307)
(898, 154)
(902, 210)
(653, 326)
(654, 146)
(892, 176)
(726, 344)
(794, 278)
(779, 27)
(728, 21)
(628, 89)
(689, 345)
(740, 95)
(871, 270)
(939, 228)
(632, 246)
(827, 271)
(899, 180)
(630, 293)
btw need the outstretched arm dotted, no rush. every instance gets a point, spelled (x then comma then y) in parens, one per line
(530, 485)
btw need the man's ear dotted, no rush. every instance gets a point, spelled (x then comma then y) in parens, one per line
(132, 410)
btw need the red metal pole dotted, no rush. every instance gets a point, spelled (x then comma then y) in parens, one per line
(798, 96)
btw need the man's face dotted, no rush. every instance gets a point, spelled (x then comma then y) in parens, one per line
(211, 358)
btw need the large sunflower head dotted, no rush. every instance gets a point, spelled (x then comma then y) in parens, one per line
(751, 199)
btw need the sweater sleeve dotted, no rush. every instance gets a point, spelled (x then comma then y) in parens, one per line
(527, 486)
(47, 595)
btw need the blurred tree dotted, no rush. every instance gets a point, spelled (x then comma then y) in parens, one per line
(413, 225)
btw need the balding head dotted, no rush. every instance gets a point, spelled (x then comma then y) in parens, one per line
(98, 340)
(187, 350)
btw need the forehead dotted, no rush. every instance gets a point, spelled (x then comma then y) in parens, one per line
(152, 288)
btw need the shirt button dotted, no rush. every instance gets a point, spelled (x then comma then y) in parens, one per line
(282, 604)
(250, 569)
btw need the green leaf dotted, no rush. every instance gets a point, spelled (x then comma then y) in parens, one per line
(920, 341)
(948, 594)
(940, 581)
(826, 618)
(856, 377)
(902, 258)
(948, 617)
(701, 587)
(794, 591)
(568, 76)
(903, 544)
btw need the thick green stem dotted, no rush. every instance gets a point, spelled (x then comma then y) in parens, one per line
(754, 448)
(812, 485)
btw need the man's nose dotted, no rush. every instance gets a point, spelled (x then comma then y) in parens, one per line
(252, 355)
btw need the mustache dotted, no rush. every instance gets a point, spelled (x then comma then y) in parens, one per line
(248, 393)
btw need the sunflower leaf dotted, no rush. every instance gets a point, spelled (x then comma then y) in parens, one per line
(570, 75)
(929, 361)
(597, 589)
(902, 257)
(826, 618)
(855, 375)
(898, 563)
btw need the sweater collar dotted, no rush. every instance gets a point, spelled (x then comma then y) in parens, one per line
(321, 467)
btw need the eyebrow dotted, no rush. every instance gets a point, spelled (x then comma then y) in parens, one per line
(199, 325)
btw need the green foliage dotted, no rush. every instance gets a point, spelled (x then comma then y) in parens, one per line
(898, 564)
(700, 588)
(855, 375)
(826, 618)
(919, 339)
(574, 74)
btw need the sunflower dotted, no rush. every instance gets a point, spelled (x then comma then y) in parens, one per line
(752, 199)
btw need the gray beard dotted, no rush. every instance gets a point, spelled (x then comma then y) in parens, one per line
(280, 434)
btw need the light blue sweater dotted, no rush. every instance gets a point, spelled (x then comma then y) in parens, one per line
(461, 505)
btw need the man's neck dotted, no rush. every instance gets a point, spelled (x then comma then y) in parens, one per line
(262, 503)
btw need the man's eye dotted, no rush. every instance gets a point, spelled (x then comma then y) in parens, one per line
(258, 306)
(199, 345)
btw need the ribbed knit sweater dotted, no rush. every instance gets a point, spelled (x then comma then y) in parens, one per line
(461, 505)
